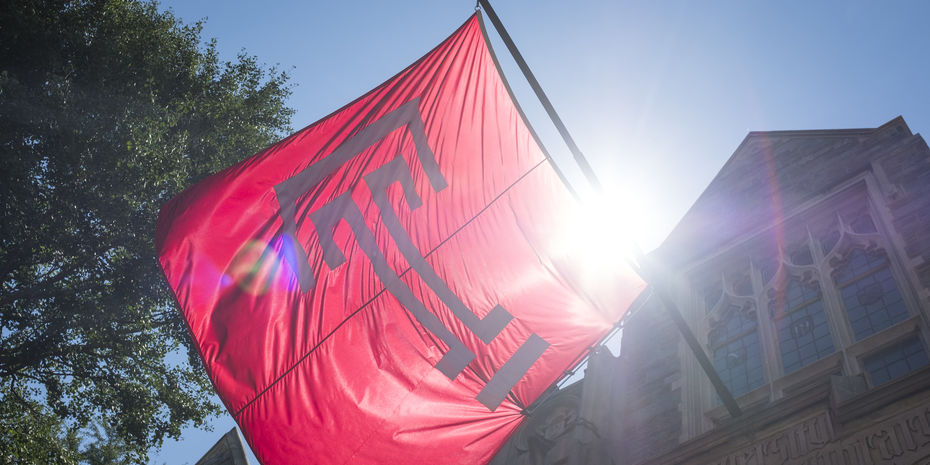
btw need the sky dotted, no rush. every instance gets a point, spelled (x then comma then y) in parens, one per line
(657, 94)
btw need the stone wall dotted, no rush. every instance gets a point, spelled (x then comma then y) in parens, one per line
(903, 439)
(804, 166)
(624, 411)
(638, 419)
(649, 420)
(906, 166)
(772, 173)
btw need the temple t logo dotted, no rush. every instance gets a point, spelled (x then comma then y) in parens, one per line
(343, 207)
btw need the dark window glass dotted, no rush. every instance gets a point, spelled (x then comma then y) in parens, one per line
(802, 256)
(797, 293)
(829, 240)
(863, 224)
(870, 294)
(859, 262)
(803, 333)
(712, 295)
(736, 352)
(739, 364)
(767, 267)
(737, 322)
(896, 361)
(743, 285)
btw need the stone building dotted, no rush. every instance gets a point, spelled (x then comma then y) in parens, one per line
(804, 271)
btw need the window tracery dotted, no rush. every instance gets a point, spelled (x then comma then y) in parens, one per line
(734, 344)
(895, 361)
(825, 287)
(803, 333)
(869, 292)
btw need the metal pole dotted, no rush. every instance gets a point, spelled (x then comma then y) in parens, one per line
(644, 270)
(553, 115)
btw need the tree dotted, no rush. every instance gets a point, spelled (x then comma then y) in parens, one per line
(108, 108)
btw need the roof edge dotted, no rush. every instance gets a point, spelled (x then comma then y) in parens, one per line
(898, 120)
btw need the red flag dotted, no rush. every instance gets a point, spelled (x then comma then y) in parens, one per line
(380, 287)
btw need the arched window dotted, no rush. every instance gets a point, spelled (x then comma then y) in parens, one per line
(801, 325)
(869, 292)
(803, 333)
(819, 294)
(895, 361)
(734, 343)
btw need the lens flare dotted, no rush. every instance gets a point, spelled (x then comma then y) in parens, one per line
(255, 268)
(603, 233)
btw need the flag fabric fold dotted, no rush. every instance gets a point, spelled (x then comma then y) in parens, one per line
(382, 286)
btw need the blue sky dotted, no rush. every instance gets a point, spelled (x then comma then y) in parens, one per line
(657, 94)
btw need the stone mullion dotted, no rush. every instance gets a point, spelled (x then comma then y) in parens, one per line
(768, 337)
(833, 306)
(894, 246)
(697, 392)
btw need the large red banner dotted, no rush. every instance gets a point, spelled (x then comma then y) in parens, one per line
(382, 287)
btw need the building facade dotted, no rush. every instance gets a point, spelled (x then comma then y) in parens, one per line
(804, 271)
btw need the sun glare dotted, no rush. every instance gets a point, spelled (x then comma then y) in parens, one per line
(604, 233)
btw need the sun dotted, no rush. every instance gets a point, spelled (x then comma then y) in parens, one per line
(607, 232)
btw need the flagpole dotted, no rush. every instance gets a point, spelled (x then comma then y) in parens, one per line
(642, 267)
(553, 115)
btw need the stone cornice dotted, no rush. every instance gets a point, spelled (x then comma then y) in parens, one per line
(812, 420)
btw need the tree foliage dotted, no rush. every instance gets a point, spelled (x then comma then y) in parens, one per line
(108, 108)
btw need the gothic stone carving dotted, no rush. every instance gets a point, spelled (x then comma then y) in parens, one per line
(555, 435)
(901, 440)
